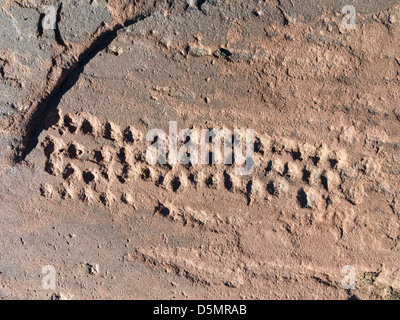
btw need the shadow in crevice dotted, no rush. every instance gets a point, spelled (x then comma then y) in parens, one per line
(199, 3)
(45, 114)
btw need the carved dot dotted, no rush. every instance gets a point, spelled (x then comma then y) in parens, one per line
(88, 177)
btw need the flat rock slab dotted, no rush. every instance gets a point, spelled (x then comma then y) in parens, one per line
(81, 19)
(323, 193)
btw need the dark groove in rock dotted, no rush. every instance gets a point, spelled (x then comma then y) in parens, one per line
(44, 115)
(57, 32)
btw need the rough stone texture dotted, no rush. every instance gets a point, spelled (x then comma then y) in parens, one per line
(81, 19)
(313, 8)
(25, 58)
(79, 101)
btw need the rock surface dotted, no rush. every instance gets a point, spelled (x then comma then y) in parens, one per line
(77, 192)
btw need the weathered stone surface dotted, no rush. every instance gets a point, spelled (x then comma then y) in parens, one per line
(25, 58)
(324, 187)
(80, 19)
(311, 9)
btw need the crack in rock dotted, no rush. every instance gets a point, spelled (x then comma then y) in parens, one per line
(43, 116)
